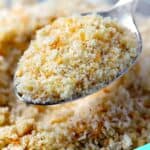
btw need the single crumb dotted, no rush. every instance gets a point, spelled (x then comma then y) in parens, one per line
(74, 56)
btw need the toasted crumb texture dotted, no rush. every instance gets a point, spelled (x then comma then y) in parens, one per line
(74, 56)
(116, 118)
(18, 26)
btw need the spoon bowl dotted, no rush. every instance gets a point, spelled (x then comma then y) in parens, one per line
(123, 13)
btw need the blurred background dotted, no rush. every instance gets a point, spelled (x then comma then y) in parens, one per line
(143, 6)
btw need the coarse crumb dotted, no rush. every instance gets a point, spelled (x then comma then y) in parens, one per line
(73, 57)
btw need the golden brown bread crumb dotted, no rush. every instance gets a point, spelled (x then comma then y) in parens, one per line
(74, 56)
(110, 119)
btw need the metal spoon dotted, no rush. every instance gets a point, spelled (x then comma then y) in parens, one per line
(123, 13)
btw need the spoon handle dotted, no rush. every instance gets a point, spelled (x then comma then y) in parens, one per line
(127, 4)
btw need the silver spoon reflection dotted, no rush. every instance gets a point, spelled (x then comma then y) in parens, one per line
(123, 13)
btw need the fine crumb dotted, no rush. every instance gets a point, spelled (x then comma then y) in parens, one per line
(72, 57)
